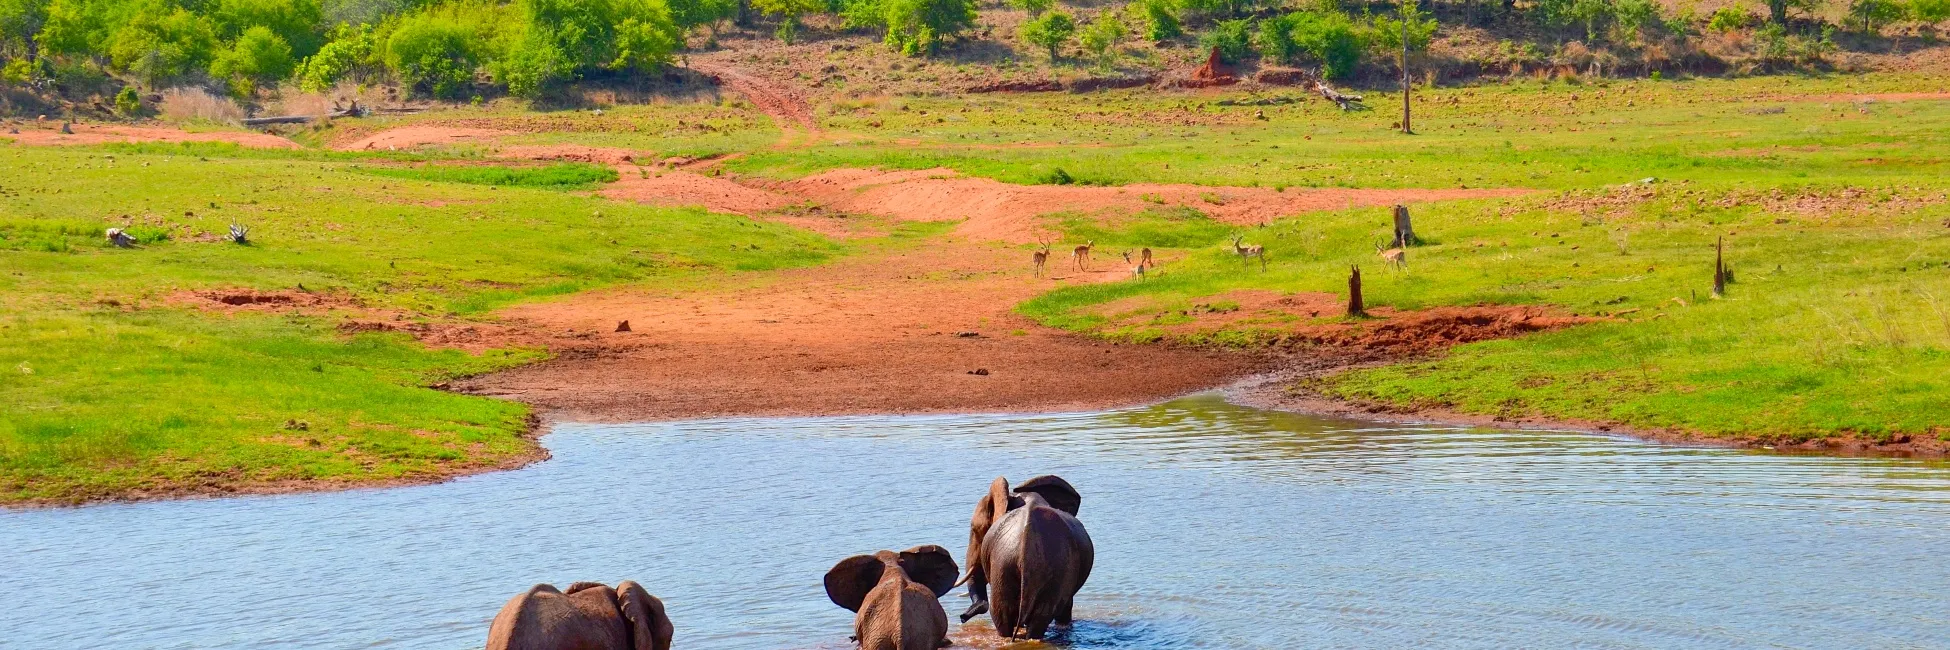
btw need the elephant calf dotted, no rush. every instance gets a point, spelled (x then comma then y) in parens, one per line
(1027, 556)
(590, 616)
(896, 597)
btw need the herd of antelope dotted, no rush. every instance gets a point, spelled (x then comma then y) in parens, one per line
(1394, 255)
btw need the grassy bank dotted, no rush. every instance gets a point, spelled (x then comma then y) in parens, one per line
(1834, 213)
(119, 379)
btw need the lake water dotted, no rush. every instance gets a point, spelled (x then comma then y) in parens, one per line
(1217, 526)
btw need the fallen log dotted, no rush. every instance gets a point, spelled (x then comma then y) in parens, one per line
(354, 111)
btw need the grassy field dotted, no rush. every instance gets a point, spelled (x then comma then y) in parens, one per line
(116, 379)
(114, 383)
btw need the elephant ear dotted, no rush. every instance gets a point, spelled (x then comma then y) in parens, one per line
(1056, 491)
(996, 503)
(932, 566)
(650, 628)
(850, 580)
(580, 585)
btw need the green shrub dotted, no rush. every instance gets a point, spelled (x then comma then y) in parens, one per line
(788, 12)
(1729, 18)
(1331, 40)
(533, 67)
(350, 49)
(1218, 8)
(1870, 15)
(1102, 36)
(1275, 38)
(433, 53)
(1049, 31)
(1386, 35)
(258, 56)
(1630, 19)
(917, 26)
(1160, 19)
(297, 22)
(158, 46)
(690, 14)
(1034, 7)
(128, 101)
(1930, 11)
(1230, 38)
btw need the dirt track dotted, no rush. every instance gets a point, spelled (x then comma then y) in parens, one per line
(870, 334)
(49, 133)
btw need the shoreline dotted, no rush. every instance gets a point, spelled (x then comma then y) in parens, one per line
(1266, 389)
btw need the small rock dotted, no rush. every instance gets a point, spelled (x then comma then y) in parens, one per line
(984, 372)
(623, 326)
(968, 335)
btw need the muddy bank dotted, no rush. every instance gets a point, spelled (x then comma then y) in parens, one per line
(926, 330)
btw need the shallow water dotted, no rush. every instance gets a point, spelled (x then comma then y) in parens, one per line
(1217, 526)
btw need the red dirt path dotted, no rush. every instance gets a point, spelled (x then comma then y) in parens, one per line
(49, 133)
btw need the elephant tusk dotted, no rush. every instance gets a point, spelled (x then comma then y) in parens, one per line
(963, 580)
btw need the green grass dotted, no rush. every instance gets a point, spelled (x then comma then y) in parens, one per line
(560, 176)
(113, 384)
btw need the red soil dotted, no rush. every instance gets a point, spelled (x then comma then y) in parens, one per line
(49, 133)
(873, 334)
(407, 137)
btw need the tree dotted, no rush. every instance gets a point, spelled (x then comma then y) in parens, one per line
(158, 46)
(298, 22)
(258, 56)
(691, 14)
(788, 12)
(1275, 38)
(1778, 9)
(350, 49)
(1050, 31)
(1871, 14)
(1103, 35)
(434, 53)
(1330, 39)
(1930, 11)
(1034, 7)
(20, 23)
(917, 26)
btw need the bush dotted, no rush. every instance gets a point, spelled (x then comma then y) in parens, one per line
(1102, 37)
(1729, 18)
(917, 26)
(433, 53)
(157, 47)
(350, 49)
(1034, 7)
(533, 66)
(788, 12)
(1630, 18)
(1275, 38)
(1930, 11)
(1230, 38)
(1330, 39)
(1049, 31)
(1386, 36)
(297, 22)
(128, 101)
(1872, 14)
(258, 56)
(690, 14)
(1219, 8)
(1160, 19)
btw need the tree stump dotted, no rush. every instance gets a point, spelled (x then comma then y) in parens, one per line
(1404, 230)
(1720, 268)
(1354, 306)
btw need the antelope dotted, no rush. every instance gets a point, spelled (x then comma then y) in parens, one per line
(1144, 256)
(1248, 252)
(1396, 257)
(1137, 271)
(1081, 255)
(1040, 256)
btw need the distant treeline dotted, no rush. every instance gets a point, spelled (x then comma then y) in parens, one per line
(447, 48)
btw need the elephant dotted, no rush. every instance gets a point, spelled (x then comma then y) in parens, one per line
(1027, 556)
(589, 616)
(896, 597)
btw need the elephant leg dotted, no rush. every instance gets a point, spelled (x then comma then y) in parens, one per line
(1007, 599)
(978, 597)
(1035, 628)
(1063, 611)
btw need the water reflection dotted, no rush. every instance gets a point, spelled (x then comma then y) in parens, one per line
(1217, 526)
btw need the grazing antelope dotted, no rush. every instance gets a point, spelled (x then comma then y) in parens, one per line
(1144, 256)
(1081, 255)
(1137, 270)
(1040, 257)
(1248, 252)
(1396, 257)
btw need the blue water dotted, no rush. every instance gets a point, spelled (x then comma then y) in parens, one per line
(1217, 526)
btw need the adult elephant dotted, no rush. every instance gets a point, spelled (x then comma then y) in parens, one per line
(896, 597)
(1027, 556)
(589, 616)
